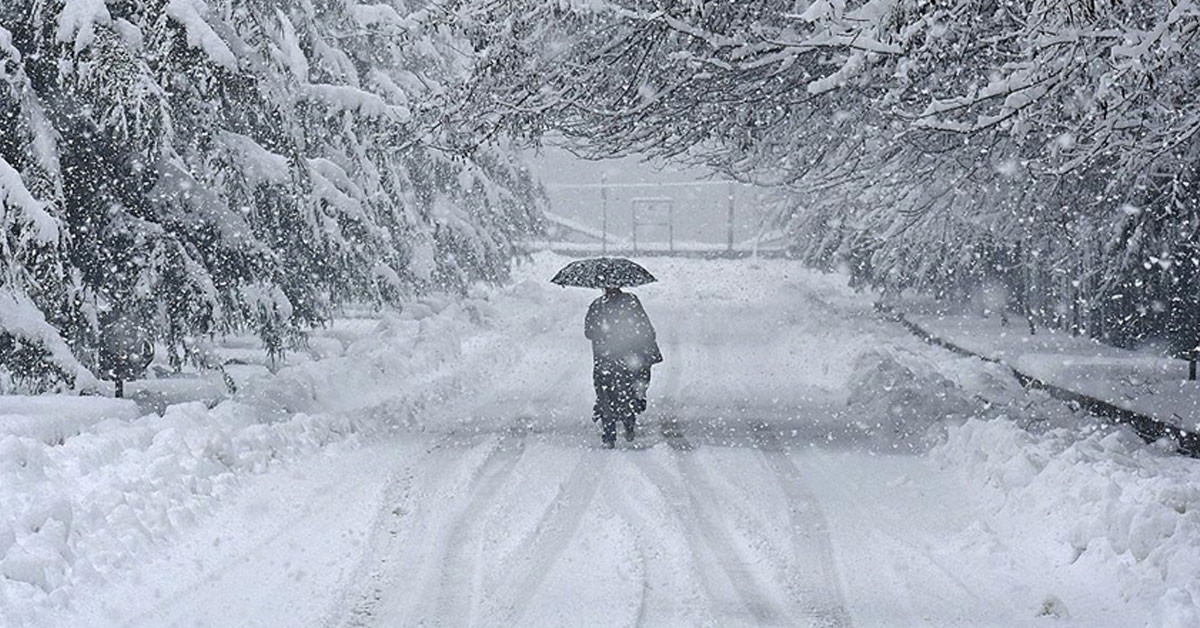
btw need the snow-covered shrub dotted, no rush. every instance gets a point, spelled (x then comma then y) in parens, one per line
(33, 356)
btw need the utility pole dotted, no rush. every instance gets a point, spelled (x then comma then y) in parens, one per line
(729, 242)
(604, 212)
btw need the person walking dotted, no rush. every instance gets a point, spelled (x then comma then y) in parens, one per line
(624, 348)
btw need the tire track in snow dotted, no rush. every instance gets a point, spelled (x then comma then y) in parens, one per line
(816, 586)
(672, 433)
(709, 537)
(459, 570)
(406, 548)
(322, 501)
(358, 605)
(657, 605)
(557, 527)
(681, 506)
(918, 578)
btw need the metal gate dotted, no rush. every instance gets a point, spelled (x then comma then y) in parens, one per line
(653, 211)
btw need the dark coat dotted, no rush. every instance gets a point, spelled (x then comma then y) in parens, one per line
(621, 332)
(623, 350)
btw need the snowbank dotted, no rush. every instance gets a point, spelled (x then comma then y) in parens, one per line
(1093, 504)
(900, 401)
(53, 419)
(88, 488)
(82, 511)
(1084, 505)
(1108, 507)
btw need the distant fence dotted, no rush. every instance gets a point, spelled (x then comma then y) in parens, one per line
(656, 249)
(685, 218)
(570, 237)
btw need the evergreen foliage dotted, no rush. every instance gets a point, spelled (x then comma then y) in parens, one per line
(202, 166)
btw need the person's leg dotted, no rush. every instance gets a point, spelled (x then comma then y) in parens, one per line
(604, 378)
(625, 399)
(630, 424)
(609, 434)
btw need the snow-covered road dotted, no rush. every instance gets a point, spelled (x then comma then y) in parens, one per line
(771, 484)
(521, 528)
(517, 517)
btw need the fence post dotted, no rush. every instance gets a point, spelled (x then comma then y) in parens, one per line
(671, 227)
(729, 242)
(604, 212)
(634, 219)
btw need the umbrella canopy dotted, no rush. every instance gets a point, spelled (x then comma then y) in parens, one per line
(603, 272)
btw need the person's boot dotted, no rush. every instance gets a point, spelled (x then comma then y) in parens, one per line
(629, 428)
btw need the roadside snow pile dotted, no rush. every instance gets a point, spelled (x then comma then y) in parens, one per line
(903, 398)
(53, 419)
(87, 495)
(374, 368)
(412, 362)
(902, 402)
(1108, 506)
(84, 509)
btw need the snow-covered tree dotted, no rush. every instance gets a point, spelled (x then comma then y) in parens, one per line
(935, 144)
(202, 166)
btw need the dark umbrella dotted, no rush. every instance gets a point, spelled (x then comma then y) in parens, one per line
(603, 272)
